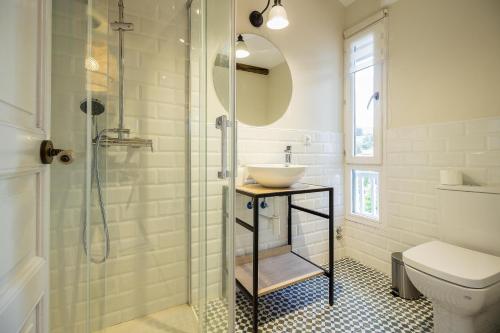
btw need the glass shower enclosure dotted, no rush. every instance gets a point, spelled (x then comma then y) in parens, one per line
(140, 233)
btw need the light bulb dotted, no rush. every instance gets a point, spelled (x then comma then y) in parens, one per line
(241, 48)
(242, 53)
(91, 64)
(277, 18)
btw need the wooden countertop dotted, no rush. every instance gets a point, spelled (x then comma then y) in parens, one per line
(259, 191)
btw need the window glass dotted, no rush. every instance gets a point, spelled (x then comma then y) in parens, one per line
(363, 108)
(365, 193)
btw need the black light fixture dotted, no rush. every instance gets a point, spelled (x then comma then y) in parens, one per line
(241, 48)
(277, 16)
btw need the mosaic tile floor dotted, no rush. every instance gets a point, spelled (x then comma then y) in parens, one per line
(362, 304)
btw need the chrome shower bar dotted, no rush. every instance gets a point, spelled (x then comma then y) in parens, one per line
(121, 26)
(107, 141)
(126, 142)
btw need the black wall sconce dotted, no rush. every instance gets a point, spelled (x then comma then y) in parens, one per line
(277, 18)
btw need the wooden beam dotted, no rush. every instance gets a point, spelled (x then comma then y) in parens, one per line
(252, 69)
(223, 61)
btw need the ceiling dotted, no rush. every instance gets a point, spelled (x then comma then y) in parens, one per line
(262, 52)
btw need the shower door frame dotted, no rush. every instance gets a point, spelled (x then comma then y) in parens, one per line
(227, 181)
(226, 8)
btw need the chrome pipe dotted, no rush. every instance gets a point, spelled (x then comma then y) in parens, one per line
(121, 67)
(121, 26)
(107, 141)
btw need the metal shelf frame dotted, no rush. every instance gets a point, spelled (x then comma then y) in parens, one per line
(255, 196)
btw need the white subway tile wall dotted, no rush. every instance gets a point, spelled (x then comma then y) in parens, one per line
(324, 161)
(413, 158)
(144, 192)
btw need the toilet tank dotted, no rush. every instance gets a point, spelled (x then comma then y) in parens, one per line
(469, 216)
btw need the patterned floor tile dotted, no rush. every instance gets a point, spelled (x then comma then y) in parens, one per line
(363, 303)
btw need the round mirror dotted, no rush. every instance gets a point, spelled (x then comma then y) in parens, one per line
(263, 80)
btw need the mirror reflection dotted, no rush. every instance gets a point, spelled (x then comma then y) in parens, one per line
(263, 80)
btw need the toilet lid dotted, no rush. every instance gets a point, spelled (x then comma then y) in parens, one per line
(455, 264)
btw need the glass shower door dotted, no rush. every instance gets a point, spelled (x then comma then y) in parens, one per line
(141, 238)
(80, 81)
(213, 156)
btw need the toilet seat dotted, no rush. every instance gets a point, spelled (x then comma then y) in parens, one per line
(464, 267)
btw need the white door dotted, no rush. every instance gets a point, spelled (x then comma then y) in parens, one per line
(24, 181)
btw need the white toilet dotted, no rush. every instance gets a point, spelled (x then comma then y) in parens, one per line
(461, 273)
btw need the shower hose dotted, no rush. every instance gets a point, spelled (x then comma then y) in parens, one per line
(95, 169)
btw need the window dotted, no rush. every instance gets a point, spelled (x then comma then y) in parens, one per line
(363, 121)
(365, 194)
(363, 100)
(364, 82)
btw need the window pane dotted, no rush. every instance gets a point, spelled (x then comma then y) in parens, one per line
(365, 193)
(364, 112)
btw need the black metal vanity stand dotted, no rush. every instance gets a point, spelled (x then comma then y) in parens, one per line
(282, 265)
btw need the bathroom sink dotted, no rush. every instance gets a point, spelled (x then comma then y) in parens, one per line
(276, 175)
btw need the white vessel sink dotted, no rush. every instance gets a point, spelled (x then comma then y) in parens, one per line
(276, 175)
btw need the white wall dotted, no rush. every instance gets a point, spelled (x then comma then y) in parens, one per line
(443, 113)
(446, 69)
(359, 10)
(443, 59)
(312, 46)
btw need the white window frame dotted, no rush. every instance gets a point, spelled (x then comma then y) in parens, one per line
(349, 215)
(377, 120)
(377, 25)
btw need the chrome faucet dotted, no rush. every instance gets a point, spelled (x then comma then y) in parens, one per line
(288, 155)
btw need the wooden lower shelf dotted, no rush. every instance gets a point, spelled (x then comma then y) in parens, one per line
(276, 272)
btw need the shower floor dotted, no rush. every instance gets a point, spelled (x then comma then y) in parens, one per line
(178, 319)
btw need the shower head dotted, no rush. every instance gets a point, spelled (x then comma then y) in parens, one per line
(96, 23)
(97, 107)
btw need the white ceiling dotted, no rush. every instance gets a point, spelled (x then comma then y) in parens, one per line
(262, 52)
